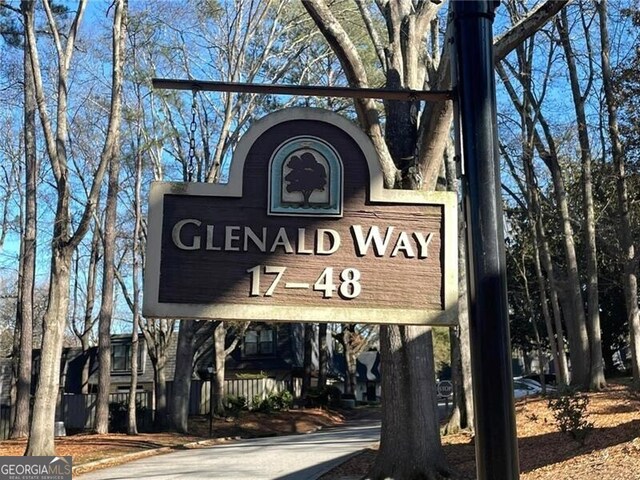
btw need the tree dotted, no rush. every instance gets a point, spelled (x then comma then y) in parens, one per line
(411, 151)
(529, 186)
(85, 331)
(26, 278)
(64, 241)
(307, 358)
(225, 339)
(158, 334)
(596, 380)
(306, 176)
(109, 237)
(627, 245)
(191, 335)
(547, 148)
(132, 427)
(354, 339)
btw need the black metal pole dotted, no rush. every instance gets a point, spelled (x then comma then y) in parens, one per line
(495, 440)
(211, 407)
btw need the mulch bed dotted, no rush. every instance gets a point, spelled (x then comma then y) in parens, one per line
(610, 452)
(89, 448)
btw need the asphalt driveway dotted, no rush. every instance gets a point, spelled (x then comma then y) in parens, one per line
(292, 457)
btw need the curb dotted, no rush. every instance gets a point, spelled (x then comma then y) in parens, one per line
(129, 457)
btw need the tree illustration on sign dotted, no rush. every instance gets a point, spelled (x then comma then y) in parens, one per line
(306, 176)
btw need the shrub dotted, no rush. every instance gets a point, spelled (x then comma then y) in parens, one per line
(569, 408)
(119, 416)
(274, 402)
(328, 396)
(236, 404)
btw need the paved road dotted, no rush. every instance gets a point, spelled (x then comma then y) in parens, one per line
(293, 457)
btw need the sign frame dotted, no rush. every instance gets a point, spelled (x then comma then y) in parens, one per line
(447, 316)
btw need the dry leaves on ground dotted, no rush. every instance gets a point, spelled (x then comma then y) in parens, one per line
(611, 451)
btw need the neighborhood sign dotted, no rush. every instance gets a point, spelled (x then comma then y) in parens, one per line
(303, 231)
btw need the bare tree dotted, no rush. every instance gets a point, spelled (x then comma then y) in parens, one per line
(85, 331)
(26, 279)
(158, 334)
(221, 349)
(596, 376)
(132, 427)
(64, 241)
(545, 145)
(191, 334)
(628, 248)
(411, 152)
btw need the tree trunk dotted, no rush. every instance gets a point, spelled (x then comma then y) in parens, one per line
(158, 334)
(160, 386)
(106, 306)
(219, 336)
(630, 279)
(132, 424)
(182, 376)
(323, 356)
(455, 420)
(26, 281)
(574, 311)
(132, 408)
(596, 377)
(462, 416)
(350, 358)
(409, 443)
(64, 244)
(112, 152)
(89, 321)
(308, 358)
(556, 341)
(41, 432)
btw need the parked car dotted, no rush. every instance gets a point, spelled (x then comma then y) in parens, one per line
(522, 388)
(549, 378)
(535, 382)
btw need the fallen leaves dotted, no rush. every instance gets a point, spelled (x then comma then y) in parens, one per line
(610, 452)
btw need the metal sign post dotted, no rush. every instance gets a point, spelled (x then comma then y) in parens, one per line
(496, 440)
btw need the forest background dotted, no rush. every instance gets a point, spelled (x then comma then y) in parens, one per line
(85, 134)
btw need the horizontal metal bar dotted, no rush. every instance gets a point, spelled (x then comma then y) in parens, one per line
(304, 90)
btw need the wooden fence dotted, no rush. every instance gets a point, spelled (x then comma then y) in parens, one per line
(5, 424)
(253, 390)
(79, 410)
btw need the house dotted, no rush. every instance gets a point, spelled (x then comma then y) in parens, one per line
(368, 378)
(267, 351)
(272, 350)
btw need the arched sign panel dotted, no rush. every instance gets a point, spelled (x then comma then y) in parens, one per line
(303, 231)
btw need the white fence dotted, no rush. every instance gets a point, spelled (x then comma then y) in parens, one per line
(252, 389)
(79, 411)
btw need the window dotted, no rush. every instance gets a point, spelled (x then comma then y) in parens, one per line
(258, 342)
(121, 358)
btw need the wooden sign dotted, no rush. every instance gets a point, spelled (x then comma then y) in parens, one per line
(303, 231)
